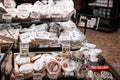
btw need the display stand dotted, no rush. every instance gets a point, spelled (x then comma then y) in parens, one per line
(51, 68)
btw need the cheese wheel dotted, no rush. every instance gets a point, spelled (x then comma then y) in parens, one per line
(26, 68)
(53, 67)
(68, 65)
(39, 64)
(35, 57)
(22, 60)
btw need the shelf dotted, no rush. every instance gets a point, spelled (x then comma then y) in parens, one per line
(46, 49)
(101, 6)
(53, 18)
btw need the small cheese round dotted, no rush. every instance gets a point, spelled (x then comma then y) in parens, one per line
(22, 60)
(26, 68)
(39, 64)
(68, 65)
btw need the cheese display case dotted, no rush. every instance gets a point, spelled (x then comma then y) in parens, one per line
(51, 47)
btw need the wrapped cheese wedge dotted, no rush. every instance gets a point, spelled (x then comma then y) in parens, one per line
(12, 11)
(4, 35)
(14, 33)
(2, 8)
(24, 10)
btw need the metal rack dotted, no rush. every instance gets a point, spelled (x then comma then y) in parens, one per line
(3, 60)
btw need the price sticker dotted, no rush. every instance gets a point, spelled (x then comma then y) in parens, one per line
(69, 74)
(6, 18)
(38, 76)
(66, 47)
(35, 19)
(53, 76)
(24, 49)
(55, 19)
(19, 77)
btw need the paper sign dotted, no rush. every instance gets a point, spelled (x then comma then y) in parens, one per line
(35, 19)
(24, 49)
(53, 76)
(66, 47)
(38, 76)
(19, 77)
(6, 18)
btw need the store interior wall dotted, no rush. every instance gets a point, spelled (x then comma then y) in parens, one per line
(82, 8)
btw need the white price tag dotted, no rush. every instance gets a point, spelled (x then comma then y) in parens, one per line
(43, 45)
(19, 77)
(24, 49)
(69, 73)
(6, 18)
(35, 19)
(53, 76)
(66, 47)
(38, 76)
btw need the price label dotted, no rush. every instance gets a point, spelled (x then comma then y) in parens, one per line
(6, 18)
(69, 73)
(43, 45)
(24, 49)
(35, 19)
(38, 76)
(66, 47)
(53, 76)
(55, 19)
(19, 77)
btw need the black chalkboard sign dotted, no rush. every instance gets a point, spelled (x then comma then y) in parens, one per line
(89, 21)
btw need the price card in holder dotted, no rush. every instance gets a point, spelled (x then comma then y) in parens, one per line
(24, 49)
(35, 19)
(6, 18)
(19, 77)
(65, 47)
(38, 76)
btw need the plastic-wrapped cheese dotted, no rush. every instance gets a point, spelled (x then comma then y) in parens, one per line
(22, 60)
(67, 25)
(24, 10)
(12, 11)
(76, 37)
(26, 68)
(35, 12)
(9, 3)
(48, 57)
(44, 9)
(68, 65)
(42, 27)
(53, 67)
(39, 64)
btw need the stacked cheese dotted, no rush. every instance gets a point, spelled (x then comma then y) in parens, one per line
(9, 35)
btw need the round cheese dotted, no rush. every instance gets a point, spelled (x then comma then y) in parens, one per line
(26, 68)
(22, 60)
